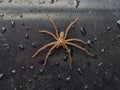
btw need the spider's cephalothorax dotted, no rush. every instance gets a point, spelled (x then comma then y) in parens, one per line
(61, 41)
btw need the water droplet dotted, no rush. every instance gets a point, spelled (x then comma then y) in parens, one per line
(42, 2)
(26, 36)
(3, 30)
(31, 67)
(35, 76)
(23, 67)
(30, 80)
(15, 88)
(103, 51)
(76, 2)
(86, 87)
(90, 43)
(65, 58)
(57, 64)
(118, 23)
(21, 47)
(7, 49)
(59, 76)
(68, 79)
(34, 45)
(27, 28)
(21, 86)
(21, 16)
(100, 64)
(95, 38)
(112, 40)
(13, 71)
(41, 71)
(1, 15)
(108, 28)
(9, 1)
(79, 70)
(1, 75)
(12, 24)
(83, 31)
(51, 1)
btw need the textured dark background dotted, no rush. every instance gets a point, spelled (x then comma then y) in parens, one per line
(20, 21)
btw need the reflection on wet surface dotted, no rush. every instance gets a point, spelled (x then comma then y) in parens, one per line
(98, 25)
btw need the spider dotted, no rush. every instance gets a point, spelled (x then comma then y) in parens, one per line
(61, 41)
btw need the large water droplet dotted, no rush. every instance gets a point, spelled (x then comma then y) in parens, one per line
(3, 30)
(51, 1)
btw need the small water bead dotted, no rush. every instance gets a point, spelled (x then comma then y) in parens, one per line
(86, 87)
(102, 50)
(1, 75)
(12, 24)
(90, 43)
(1, 15)
(41, 71)
(34, 45)
(118, 23)
(3, 30)
(68, 79)
(31, 67)
(79, 70)
(59, 76)
(100, 64)
(27, 28)
(26, 36)
(35, 76)
(23, 67)
(21, 47)
(21, 86)
(65, 58)
(30, 80)
(83, 31)
(13, 71)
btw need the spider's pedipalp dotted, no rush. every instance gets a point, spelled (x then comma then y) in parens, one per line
(77, 46)
(44, 47)
(70, 25)
(56, 31)
(53, 47)
(47, 32)
(78, 40)
(69, 56)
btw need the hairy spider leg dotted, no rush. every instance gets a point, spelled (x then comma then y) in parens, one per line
(47, 32)
(78, 40)
(56, 30)
(70, 25)
(69, 56)
(77, 46)
(44, 47)
(46, 58)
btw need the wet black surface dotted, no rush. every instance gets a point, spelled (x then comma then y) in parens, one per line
(19, 39)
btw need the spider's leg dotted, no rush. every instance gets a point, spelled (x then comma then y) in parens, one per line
(47, 32)
(77, 46)
(53, 47)
(70, 25)
(56, 31)
(78, 40)
(39, 50)
(69, 56)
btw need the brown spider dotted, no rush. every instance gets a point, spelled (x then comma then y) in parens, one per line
(61, 41)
